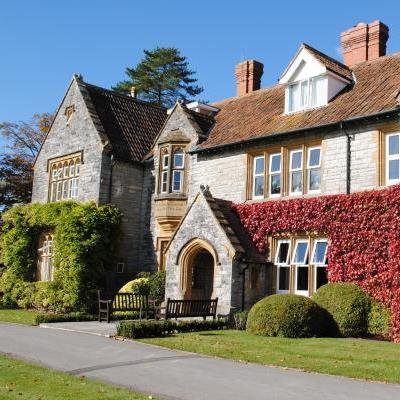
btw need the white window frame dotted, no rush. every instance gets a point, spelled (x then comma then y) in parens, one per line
(176, 171)
(301, 264)
(280, 265)
(271, 174)
(310, 168)
(177, 168)
(300, 169)
(262, 174)
(309, 94)
(391, 157)
(318, 265)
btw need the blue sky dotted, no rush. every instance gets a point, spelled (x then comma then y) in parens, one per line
(42, 43)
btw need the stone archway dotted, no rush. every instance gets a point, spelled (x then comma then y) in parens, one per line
(197, 262)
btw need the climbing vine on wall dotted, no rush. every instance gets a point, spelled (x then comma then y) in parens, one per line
(364, 233)
(85, 244)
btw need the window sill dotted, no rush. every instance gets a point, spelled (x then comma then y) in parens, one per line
(170, 196)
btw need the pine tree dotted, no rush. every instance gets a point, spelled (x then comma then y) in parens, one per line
(162, 77)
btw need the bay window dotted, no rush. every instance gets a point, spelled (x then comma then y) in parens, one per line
(172, 169)
(392, 159)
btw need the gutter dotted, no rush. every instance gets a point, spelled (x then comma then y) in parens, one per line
(387, 113)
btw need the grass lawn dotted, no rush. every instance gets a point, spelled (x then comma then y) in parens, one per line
(19, 380)
(356, 358)
(18, 316)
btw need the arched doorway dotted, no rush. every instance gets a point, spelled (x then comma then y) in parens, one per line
(202, 276)
(197, 262)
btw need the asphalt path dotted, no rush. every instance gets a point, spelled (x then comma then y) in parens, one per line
(176, 374)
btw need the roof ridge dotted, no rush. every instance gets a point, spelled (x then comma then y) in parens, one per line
(124, 96)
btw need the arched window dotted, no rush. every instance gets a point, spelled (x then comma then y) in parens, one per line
(64, 179)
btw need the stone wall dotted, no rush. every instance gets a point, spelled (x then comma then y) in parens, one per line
(79, 135)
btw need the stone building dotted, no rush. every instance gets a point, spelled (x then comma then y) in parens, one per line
(327, 127)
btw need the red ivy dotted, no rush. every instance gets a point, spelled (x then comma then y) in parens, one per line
(364, 233)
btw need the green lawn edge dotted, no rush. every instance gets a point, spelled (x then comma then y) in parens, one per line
(22, 380)
(354, 358)
(18, 316)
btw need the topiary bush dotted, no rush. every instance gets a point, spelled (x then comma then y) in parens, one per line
(85, 246)
(348, 304)
(139, 286)
(379, 320)
(287, 315)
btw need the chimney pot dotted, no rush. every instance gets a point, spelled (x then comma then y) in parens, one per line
(364, 42)
(248, 76)
(133, 92)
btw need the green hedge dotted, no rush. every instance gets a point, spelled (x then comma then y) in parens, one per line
(349, 306)
(151, 328)
(287, 315)
(85, 245)
(379, 320)
(70, 317)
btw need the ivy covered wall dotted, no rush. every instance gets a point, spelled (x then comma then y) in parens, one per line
(85, 246)
(364, 233)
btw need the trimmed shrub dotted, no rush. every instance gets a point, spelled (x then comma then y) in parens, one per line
(157, 286)
(379, 320)
(139, 286)
(151, 328)
(287, 315)
(70, 317)
(349, 306)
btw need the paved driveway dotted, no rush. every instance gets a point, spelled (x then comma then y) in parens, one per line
(175, 374)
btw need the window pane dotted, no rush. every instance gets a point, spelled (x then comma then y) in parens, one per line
(302, 278)
(300, 256)
(318, 91)
(65, 190)
(294, 97)
(259, 165)
(275, 184)
(283, 251)
(315, 179)
(322, 276)
(283, 278)
(177, 181)
(259, 186)
(393, 144)
(165, 161)
(313, 157)
(178, 160)
(77, 168)
(393, 169)
(297, 184)
(304, 94)
(319, 252)
(275, 163)
(296, 159)
(164, 182)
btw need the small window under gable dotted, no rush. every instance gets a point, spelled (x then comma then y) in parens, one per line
(312, 79)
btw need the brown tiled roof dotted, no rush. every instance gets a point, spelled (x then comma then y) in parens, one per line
(330, 63)
(131, 125)
(261, 113)
(230, 223)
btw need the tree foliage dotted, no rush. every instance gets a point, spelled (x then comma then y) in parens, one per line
(162, 77)
(23, 143)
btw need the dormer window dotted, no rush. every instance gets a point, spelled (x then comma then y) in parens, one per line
(307, 93)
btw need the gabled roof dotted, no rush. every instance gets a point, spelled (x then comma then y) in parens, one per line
(330, 63)
(129, 124)
(260, 114)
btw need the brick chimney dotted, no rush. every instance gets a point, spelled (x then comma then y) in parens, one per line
(364, 42)
(248, 76)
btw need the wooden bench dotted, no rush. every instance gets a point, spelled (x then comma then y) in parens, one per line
(110, 303)
(191, 308)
